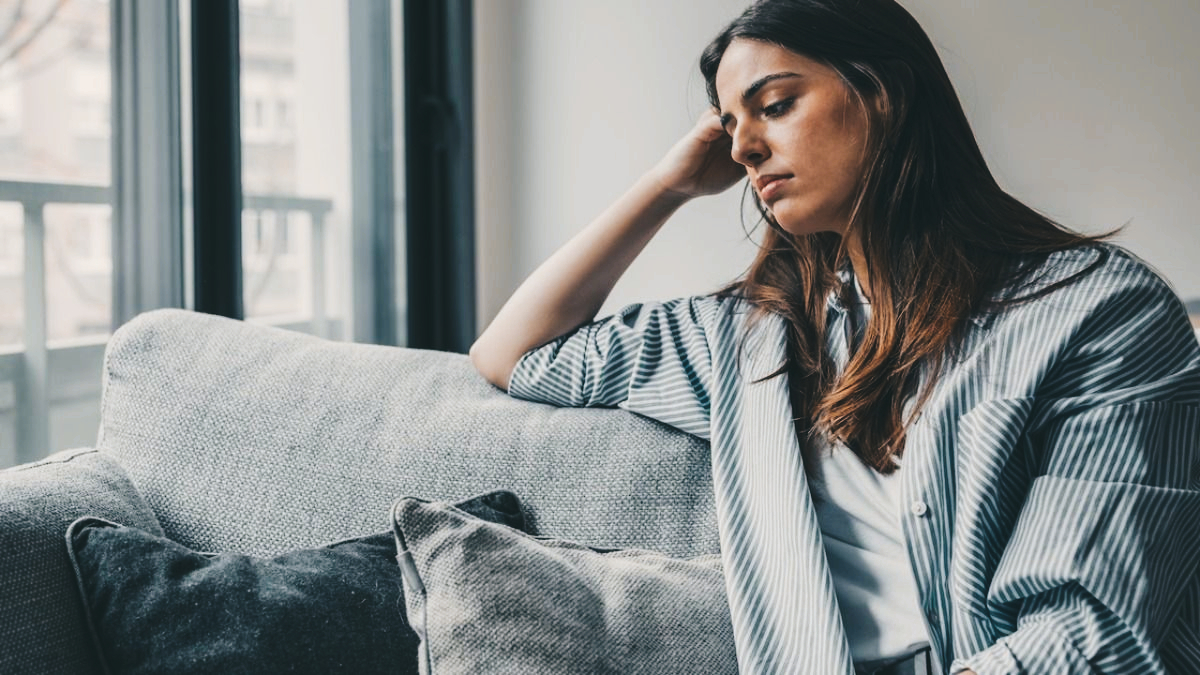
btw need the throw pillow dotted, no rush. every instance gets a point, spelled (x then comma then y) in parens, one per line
(156, 606)
(487, 599)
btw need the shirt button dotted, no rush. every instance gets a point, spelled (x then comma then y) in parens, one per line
(919, 508)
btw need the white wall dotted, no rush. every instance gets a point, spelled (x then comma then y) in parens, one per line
(1086, 110)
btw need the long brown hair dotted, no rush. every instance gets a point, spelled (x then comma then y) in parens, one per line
(940, 237)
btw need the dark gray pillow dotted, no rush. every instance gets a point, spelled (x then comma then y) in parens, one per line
(488, 599)
(156, 606)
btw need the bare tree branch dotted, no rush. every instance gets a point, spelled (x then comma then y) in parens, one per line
(14, 17)
(34, 32)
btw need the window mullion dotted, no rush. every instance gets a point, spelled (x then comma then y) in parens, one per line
(147, 165)
(372, 148)
(216, 158)
(440, 175)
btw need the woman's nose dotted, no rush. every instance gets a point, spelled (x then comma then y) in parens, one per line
(748, 149)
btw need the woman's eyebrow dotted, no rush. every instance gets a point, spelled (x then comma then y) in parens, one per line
(758, 84)
(764, 81)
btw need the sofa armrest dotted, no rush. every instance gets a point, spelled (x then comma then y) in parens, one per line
(42, 624)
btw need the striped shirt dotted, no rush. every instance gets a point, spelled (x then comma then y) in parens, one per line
(1052, 480)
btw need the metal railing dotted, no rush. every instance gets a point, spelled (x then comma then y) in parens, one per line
(31, 366)
(317, 210)
(30, 369)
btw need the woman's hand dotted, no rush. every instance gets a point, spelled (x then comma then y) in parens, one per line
(700, 163)
(569, 287)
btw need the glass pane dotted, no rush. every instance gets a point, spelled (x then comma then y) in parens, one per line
(276, 251)
(55, 91)
(8, 422)
(55, 220)
(12, 269)
(78, 271)
(55, 133)
(296, 164)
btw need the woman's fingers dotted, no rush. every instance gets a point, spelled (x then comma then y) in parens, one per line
(700, 163)
(709, 126)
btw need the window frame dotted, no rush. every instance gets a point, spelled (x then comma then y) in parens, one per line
(432, 302)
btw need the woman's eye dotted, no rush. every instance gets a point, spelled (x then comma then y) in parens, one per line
(778, 108)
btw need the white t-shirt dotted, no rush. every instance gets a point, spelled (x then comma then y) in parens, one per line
(859, 512)
(859, 509)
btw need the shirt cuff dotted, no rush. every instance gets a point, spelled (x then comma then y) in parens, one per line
(995, 660)
(1035, 648)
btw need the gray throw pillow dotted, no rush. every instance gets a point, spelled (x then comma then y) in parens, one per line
(485, 598)
(156, 606)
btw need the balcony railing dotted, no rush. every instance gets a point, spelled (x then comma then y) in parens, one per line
(316, 319)
(46, 379)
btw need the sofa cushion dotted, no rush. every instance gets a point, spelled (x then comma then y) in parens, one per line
(41, 619)
(250, 438)
(488, 599)
(156, 606)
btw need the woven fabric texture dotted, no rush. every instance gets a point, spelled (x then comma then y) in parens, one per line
(484, 598)
(41, 615)
(249, 438)
(161, 608)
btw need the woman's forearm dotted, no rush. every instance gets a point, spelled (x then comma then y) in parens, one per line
(569, 287)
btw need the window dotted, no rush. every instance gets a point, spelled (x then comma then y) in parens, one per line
(96, 176)
(297, 157)
(55, 222)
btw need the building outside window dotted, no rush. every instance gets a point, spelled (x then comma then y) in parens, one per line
(57, 140)
(55, 173)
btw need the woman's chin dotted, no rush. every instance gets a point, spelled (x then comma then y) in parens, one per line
(802, 227)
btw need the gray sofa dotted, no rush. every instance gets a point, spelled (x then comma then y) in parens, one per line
(229, 436)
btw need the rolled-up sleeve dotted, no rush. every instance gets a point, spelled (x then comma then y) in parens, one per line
(652, 359)
(1104, 547)
(1097, 570)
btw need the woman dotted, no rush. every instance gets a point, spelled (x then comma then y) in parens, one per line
(937, 417)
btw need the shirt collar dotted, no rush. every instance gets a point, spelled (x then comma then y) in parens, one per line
(853, 293)
(848, 288)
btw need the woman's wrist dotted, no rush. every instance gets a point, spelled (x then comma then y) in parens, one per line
(662, 189)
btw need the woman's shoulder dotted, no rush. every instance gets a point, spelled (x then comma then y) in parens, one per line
(712, 315)
(709, 309)
(702, 307)
(1096, 284)
(726, 319)
(1085, 274)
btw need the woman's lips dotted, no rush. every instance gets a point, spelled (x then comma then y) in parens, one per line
(771, 187)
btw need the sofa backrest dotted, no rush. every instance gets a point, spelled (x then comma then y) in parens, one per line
(250, 438)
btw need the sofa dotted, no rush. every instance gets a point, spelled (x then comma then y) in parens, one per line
(230, 436)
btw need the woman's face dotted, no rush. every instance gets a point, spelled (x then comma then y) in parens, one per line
(797, 129)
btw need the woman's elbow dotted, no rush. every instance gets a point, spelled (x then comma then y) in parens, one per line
(493, 369)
